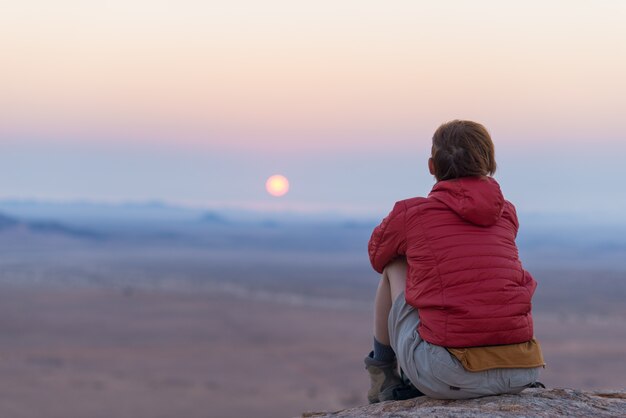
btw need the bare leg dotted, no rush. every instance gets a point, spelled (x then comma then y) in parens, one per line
(380, 363)
(392, 283)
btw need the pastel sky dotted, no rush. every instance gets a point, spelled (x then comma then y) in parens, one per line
(198, 102)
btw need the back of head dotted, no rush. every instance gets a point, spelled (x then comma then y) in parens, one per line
(462, 148)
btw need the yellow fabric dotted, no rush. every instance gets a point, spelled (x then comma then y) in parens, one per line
(522, 355)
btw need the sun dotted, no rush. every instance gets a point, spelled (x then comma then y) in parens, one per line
(277, 185)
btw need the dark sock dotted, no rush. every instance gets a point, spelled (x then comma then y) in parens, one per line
(383, 352)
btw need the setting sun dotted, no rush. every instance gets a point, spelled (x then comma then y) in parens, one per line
(277, 185)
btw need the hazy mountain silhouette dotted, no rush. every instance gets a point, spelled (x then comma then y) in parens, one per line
(545, 240)
(214, 217)
(7, 222)
(46, 227)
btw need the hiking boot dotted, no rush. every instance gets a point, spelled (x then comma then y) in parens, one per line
(537, 385)
(407, 391)
(384, 380)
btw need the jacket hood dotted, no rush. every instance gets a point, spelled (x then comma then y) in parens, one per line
(478, 200)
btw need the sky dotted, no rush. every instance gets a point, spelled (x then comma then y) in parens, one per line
(199, 102)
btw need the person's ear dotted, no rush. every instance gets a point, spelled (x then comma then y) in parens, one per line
(431, 166)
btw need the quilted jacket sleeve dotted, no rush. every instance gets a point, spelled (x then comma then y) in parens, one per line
(511, 214)
(388, 240)
(529, 283)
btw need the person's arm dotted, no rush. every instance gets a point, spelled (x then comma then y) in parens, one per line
(388, 240)
(529, 283)
(510, 214)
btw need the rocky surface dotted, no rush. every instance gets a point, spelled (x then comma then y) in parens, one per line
(530, 403)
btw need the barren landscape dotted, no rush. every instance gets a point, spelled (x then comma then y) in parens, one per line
(220, 321)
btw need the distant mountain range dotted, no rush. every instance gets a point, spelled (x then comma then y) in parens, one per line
(540, 234)
(8, 223)
(86, 213)
(212, 217)
(90, 213)
(544, 240)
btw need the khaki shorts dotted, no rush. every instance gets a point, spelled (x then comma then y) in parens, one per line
(437, 373)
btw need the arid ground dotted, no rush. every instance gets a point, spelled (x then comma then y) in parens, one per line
(141, 353)
(225, 326)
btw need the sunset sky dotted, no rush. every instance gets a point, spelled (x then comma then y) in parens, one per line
(199, 102)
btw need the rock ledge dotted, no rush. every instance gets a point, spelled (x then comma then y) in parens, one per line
(530, 403)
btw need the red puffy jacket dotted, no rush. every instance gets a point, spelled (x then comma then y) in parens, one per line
(464, 274)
